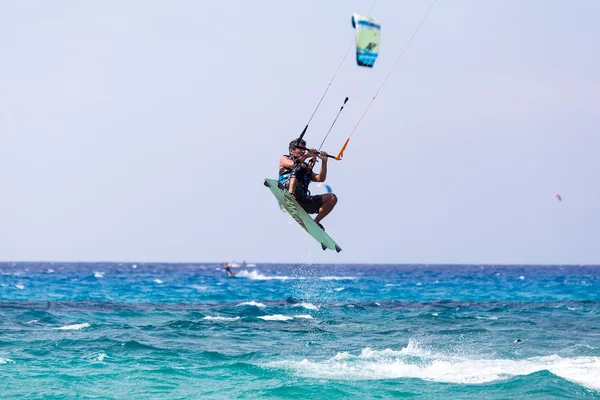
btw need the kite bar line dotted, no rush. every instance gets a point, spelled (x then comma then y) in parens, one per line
(305, 148)
(314, 160)
(326, 90)
(331, 81)
(333, 123)
(341, 152)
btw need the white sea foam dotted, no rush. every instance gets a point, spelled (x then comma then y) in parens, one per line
(100, 357)
(522, 278)
(50, 270)
(338, 278)
(488, 318)
(257, 276)
(74, 327)
(276, 317)
(200, 288)
(303, 316)
(158, 281)
(99, 274)
(585, 346)
(339, 289)
(308, 306)
(6, 361)
(20, 286)
(33, 321)
(209, 318)
(134, 266)
(415, 362)
(252, 303)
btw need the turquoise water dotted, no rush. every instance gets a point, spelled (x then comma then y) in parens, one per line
(110, 330)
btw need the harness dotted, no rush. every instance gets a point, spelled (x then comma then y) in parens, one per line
(303, 174)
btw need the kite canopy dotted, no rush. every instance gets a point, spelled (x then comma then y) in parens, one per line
(367, 39)
(557, 196)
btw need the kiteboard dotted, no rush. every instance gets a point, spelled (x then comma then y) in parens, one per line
(302, 218)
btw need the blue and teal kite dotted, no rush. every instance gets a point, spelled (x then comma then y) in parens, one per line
(368, 33)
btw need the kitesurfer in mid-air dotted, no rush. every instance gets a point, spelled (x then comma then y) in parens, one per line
(227, 268)
(295, 174)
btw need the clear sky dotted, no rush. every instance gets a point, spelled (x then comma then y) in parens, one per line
(142, 130)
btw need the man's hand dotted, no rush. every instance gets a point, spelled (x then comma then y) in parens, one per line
(309, 153)
(323, 156)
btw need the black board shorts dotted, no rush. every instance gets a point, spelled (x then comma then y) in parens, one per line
(311, 204)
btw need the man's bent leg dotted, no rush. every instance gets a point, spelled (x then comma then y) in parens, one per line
(329, 201)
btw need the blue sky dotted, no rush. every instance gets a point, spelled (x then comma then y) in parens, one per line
(142, 131)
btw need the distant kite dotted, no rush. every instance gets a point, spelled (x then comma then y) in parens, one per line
(327, 188)
(557, 196)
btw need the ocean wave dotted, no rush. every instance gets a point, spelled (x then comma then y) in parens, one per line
(224, 319)
(308, 306)
(74, 327)
(303, 316)
(276, 317)
(100, 357)
(99, 274)
(184, 324)
(257, 276)
(415, 362)
(280, 317)
(338, 278)
(6, 361)
(158, 281)
(252, 304)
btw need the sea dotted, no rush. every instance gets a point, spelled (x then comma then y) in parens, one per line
(298, 331)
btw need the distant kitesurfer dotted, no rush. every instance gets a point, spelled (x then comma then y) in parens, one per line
(295, 174)
(227, 268)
